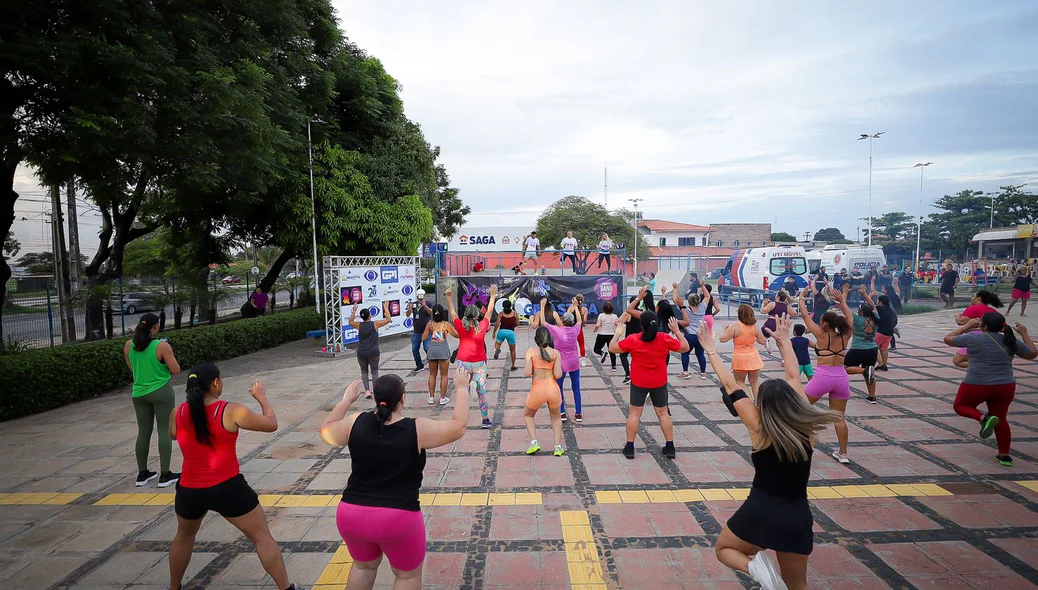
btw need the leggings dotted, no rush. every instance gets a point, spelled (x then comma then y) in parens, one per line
(998, 398)
(574, 381)
(151, 408)
(580, 343)
(478, 371)
(369, 364)
(603, 257)
(693, 344)
(600, 343)
(626, 362)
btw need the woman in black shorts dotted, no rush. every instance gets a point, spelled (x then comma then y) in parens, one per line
(649, 374)
(776, 515)
(206, 429)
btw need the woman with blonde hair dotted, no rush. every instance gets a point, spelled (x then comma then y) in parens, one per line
(746, 361)
(776, 515)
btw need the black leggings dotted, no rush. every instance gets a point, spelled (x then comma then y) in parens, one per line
(625, 360)
(368, 365)
(601, 341)
(603, 257)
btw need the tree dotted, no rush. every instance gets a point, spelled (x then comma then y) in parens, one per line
(11, 246)
(588, 221)
(147, 256)
(37, 263)
(895, 226)
(783, 237)
(829, 234)
(962, 216)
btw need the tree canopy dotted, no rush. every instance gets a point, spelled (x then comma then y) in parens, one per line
(829, 234)
(783, 237)
(588, 221)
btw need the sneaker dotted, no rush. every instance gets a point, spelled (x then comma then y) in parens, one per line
(683, 375)
(534, 447)
(882, 368)
(583, 361)
(627, 379)
(987, 425)
(841, 458)
(614, 369)
(168, 478)
(629, 450)
(487, 423)
(870, 375)
(764, 573)
(497, 354)
(604, 355)
(559, 451)
(432, 401)
(565, 418)
(871, 399)
(702, 376)
(578, 417)
(444, 401)
(668, 450)
(514, 368)
(144, 477)
(1004, 460)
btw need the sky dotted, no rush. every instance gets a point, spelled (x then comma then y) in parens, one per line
(709, 112)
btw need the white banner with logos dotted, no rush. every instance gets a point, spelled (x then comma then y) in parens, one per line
(489, 239)
(368, 287)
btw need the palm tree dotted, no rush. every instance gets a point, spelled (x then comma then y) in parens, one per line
(292, 285)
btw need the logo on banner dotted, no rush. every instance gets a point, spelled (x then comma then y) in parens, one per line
(371, 276)
(606, 289)
(372, 291)
(391, 291)
(374, 311)
(352, 295)
(408, 289)
(349, 335)
(350, 274)
(407, 275)
(408, 322)
(476, 240)
(390, 274)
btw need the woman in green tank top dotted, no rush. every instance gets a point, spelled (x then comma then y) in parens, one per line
(152, 363)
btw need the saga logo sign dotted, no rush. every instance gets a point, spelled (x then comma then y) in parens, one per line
(390, 274)
(371, 276)
(476, 240)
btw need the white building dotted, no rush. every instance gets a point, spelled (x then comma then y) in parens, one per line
(666, 234)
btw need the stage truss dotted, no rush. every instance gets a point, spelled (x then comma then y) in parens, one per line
(333, 266)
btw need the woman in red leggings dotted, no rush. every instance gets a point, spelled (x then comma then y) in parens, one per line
(989, 377)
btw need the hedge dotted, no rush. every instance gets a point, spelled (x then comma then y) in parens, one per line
(39, 380)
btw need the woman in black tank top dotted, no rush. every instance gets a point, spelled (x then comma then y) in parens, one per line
(776, 515)
(380, 512)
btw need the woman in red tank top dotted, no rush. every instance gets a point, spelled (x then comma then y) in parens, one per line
(206, 428)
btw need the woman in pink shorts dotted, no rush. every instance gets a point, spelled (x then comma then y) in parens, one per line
(380, 513)
(1021, 291)
(832, 335)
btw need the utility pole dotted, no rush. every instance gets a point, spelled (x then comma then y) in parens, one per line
(807, 236)
(605, 187)
(60, 257)
(919, 226)
(637, 238)
(73, 235)
(870, 137)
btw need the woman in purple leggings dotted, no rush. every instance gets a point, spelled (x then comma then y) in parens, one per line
(832, 336)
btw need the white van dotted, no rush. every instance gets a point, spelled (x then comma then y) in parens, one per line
(763, 270)
(836, 256)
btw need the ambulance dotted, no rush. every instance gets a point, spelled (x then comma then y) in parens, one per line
(758, 271)
(835, 257)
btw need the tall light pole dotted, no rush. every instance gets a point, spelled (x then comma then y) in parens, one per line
(637, 238)
(870, 137)
(313, 208)
(919, 226)
(991, 223)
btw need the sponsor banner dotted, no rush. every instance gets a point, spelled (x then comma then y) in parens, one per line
(525, 292)
(489, 239)
(370, 287)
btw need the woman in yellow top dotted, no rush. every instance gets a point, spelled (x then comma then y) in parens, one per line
(746, 361)
(152, 363)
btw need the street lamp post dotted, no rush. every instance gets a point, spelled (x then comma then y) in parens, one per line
(919, 226)
(870, 137)
(991, 222)
(637, 238)
(313, 209)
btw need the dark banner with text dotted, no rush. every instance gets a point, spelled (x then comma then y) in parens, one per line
(525, 292)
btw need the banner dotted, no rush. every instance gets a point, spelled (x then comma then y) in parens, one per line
(368, 287)
(525, 292)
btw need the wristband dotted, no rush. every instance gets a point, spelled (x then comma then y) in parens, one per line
(730, 399)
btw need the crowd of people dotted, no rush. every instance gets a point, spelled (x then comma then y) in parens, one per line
(380, 514)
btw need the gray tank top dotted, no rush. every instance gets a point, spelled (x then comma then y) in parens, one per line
(367, 346)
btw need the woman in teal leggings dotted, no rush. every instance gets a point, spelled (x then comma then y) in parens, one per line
(152, 363)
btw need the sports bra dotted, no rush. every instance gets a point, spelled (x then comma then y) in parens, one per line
(539, 364)
(828, 348)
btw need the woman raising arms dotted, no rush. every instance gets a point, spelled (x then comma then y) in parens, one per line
(367, 343)
(746, 361)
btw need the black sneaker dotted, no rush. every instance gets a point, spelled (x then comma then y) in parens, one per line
(629, 450)
(168, 478)
(987, 425)
(144, 477)
(668, 450)
(604, 354)
(627, 379)
(871, 399)
(497, 354)
(1004, 460)
(882, 368)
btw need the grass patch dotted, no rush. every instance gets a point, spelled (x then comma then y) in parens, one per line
(17, 309)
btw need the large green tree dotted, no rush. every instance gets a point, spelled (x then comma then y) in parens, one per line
(783, 237)
(829, 234)
(896, 226)
(588, 221)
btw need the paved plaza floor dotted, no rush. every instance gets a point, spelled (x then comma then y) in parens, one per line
(922, 505)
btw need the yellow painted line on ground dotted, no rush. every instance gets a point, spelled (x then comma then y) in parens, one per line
(268, 500)
(37, 499)
(1029, 484)
(813, 493)
(336, 572)
(582, 561)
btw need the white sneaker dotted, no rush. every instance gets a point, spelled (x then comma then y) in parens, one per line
(841, 458)
(765, 574)
(444, 401)
(432, 400)
(583, 361)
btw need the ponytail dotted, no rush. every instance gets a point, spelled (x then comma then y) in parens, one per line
(869, 312)
(650, 326)
(542, 338)
(388, 391)
(142, 333)
(199, 382)
(993, 321)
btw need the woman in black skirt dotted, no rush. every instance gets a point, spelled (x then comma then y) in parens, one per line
(776, 514)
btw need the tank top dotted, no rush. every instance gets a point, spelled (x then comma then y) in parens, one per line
(779, 309)
(149, 373)
(747, 338)
(784, 479)
(539, 364)
(387, 467)
(608, 323)
(509, 323)
(206, 466)
(367, 340)
(1022, 284)
(634, 326)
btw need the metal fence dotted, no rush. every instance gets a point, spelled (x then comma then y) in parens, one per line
(35, 317)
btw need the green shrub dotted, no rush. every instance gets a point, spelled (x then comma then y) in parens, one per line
(39, 380)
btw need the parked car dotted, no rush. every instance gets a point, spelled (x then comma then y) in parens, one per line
(292, 275)
(231, 280)
(716, 273)
(139, 302)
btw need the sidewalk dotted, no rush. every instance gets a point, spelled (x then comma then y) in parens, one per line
(922, 505)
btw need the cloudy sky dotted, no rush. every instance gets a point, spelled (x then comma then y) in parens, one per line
(707, 111)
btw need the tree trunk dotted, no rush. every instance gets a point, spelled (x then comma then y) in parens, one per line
(178, 316)
(273, 301)
(191, 317)
(291, 298)
(275, 269)
(109, 319)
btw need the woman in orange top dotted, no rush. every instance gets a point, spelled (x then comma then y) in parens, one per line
(746, 359)
(543, 364)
